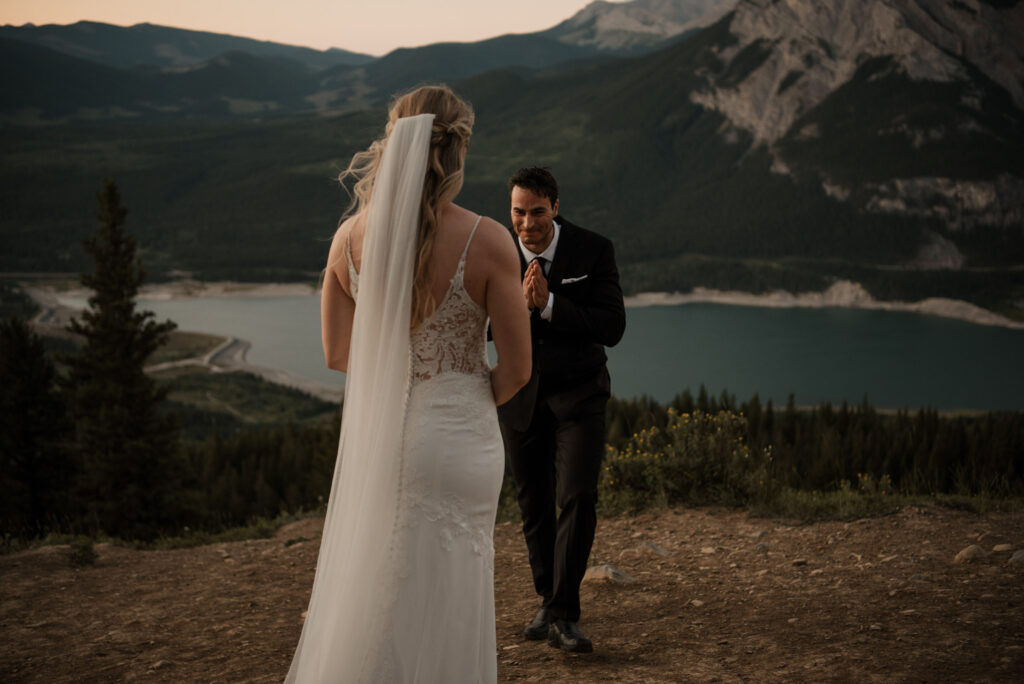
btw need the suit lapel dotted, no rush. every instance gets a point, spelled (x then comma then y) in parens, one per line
(563, 255)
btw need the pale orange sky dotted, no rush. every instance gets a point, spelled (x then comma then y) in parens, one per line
(371, 26)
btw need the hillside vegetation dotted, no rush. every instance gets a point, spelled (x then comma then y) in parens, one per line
(907, 180)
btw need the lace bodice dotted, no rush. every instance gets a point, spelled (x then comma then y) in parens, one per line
(453, 339)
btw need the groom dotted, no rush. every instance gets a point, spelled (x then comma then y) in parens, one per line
(554, 427)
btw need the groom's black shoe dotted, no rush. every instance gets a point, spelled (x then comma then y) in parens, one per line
(565, 635)
(537, 630)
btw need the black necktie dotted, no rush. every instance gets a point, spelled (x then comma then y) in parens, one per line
(543, 265)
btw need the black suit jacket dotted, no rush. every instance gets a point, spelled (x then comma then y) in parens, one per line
(587, 315)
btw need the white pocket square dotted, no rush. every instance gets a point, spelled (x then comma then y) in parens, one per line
(573, 280)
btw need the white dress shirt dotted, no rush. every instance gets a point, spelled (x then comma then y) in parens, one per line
(548, 254)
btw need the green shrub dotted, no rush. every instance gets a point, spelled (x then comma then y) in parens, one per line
(82, 552)
(697, 458)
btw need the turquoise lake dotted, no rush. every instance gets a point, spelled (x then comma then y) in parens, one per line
(897, 360)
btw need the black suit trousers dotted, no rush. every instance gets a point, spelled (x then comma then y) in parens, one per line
(557, 461)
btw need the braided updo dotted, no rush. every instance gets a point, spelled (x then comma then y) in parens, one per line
(451, 131)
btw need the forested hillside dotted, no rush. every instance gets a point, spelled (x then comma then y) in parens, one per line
(785, 146)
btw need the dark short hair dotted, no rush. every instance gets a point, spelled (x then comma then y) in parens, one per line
(536, 179)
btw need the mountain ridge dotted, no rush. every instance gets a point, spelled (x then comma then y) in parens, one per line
(631, 27)
(147, 44)
(908, 185)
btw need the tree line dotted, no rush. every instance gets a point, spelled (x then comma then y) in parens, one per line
(920, 452)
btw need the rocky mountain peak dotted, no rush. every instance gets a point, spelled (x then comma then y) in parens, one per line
(797, 51)
(616, 26)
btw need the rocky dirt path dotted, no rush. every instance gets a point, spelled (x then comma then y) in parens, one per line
(717, 597)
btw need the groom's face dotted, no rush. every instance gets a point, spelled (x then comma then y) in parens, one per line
(533, 219)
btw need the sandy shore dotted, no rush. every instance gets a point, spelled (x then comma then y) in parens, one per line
(844, 294)
(187, 289)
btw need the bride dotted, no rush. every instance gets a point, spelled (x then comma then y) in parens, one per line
(404, 587)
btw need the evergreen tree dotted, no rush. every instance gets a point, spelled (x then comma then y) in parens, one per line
(126, 446)
(35, 463)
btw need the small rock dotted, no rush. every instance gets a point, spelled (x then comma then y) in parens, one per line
(971, 553)
(759, 573)
(655, 549)
(875, 627)
(761, 547)
(707, 550)
(1000, 548)
(608, 573)
(696, 603)
(792, 621)
(759, 534)
(1017, 558)
(816, 572)
(800, 561)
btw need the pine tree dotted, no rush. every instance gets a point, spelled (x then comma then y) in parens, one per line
(35, 462)
(126, 446)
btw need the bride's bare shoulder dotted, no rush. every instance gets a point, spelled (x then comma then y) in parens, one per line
(351, 231)
(494, 236)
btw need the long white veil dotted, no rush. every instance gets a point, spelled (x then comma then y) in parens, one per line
(357, 570)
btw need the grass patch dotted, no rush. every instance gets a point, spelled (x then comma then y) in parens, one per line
(185, 345)
(82, 552)
(244, 397)
(257, 528)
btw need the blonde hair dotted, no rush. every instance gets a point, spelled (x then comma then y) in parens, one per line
(452, 128)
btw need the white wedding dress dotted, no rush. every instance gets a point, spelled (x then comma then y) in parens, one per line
(436, 598)
(452, 467)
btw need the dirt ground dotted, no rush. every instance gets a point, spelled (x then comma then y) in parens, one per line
(735, 599)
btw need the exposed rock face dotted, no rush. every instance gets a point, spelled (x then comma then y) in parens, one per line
(626, 25)
(814, 47)
(960, 204)
(938, 254)
(791, 55)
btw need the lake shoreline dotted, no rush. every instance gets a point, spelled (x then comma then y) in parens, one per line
(228, 356)
(658, 339)
(842, 294)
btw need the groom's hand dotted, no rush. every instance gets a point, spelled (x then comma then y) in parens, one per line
(535, 287)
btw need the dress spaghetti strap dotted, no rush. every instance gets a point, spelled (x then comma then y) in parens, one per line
(465, 250)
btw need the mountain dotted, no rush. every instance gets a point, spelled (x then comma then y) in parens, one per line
(637, 26)
(789, 145)
(41, 85)
(149, 45)
(904, 107)
(248, 78)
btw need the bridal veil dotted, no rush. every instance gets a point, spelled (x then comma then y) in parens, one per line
(357, 575)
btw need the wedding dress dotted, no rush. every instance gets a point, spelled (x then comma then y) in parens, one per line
(421, 606)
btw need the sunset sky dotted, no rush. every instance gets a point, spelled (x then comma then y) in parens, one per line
(371, 26)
